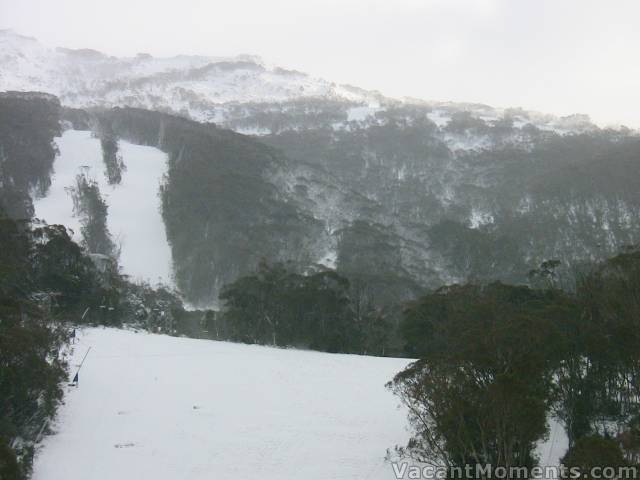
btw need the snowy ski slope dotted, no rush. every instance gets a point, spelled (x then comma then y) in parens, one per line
(133, 217)
(164, 408)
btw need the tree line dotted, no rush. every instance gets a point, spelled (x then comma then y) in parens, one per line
(320, 310)
(497, 361)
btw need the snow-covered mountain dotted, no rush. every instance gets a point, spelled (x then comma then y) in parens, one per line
(243, 92)
(196, 86)
(330, 175)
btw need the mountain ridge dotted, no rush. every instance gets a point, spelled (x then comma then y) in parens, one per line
(211, 88)
(85, 78)
(443, 192)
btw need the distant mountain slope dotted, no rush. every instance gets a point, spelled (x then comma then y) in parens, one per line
(242, 93)
(390, 204)
(482, 213)
(134, 214)
(221, 211)
(396, 194)
(195, 86)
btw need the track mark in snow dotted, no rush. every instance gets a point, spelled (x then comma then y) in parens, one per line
(125, 445)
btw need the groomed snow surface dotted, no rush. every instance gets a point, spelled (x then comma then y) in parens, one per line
(133, 217)
(165, 408)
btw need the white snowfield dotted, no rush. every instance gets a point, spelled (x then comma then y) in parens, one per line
(165, 408)
(134, 214)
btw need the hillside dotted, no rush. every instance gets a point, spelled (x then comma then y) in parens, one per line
(204, 88)
(165, 408)
(243, 93)
(162, 407)
(330, 177)
(134, 218)
(390, 204)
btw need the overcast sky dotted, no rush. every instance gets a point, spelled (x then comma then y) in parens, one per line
(558, 56)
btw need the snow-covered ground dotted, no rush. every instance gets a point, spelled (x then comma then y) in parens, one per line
(166, 408)
(159, 407)
(133, 217)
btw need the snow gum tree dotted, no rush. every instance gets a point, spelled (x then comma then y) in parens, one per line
(482, 388)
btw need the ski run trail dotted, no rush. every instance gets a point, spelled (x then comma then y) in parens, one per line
(164, 408)
(134, 216)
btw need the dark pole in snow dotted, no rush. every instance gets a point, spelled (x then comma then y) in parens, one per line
(76, 377)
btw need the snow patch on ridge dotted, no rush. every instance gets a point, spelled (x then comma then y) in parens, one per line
(479, 218)
(189, 85)
(202, 87)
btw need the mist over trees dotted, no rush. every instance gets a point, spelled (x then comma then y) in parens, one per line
(481, 213)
